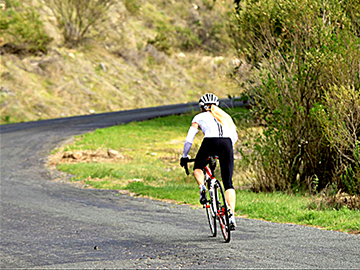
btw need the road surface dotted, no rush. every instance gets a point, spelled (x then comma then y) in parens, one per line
(51, 224)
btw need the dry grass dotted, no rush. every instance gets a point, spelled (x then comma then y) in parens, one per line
(114, 71)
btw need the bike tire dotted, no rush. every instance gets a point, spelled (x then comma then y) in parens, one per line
(222, 211)
(211, 215)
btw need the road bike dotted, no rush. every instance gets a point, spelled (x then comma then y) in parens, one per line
(216, 206)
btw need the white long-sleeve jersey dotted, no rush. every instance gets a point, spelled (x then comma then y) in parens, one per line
(211, 128)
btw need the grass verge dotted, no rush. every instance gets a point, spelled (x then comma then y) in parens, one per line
(146, 163)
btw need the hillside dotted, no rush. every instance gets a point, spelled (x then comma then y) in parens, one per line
(146, 53)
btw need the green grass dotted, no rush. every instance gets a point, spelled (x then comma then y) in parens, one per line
(283, 208)
(151, 168)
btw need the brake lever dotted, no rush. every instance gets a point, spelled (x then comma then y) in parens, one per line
(187, 169)
(186, 166)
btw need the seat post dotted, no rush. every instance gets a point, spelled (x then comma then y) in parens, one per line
(212, 164)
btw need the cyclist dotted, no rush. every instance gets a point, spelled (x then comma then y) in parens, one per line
(219, 138)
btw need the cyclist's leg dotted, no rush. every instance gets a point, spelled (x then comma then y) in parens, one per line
(227, 167)
(226, 158)
(230, 196)
(200, 162)
(199, 176)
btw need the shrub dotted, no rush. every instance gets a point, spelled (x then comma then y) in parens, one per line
(133, 6)
(164, 40)
(339, 117)
(169, 37)
(77, 18)
(21, 27)
(302, 53)
(201, 28)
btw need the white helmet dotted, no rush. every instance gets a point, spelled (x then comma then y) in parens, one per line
(208, 99)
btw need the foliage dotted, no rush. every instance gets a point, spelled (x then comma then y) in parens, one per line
(169, 37)
(22, 29)
(77, 18)
(204, 28)
(133, 6)
(302, 54)
(339, 117)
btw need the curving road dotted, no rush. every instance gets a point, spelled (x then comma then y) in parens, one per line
(51, 224)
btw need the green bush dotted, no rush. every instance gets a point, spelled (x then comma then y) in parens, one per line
(164, 40)
(187, 39)
(21, 26)
(299, 52)
(202, 28)
(339, 117)
(133, 6)
(169, 37)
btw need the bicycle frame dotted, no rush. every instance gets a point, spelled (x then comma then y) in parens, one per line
(210, 179)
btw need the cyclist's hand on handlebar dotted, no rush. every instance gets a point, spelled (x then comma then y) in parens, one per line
(184, 161)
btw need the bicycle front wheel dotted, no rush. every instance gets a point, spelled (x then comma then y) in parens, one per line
(222, 211)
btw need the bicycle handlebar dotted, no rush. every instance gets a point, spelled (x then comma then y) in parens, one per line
(211, 159)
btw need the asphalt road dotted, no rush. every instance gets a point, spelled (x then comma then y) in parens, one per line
(52, 224)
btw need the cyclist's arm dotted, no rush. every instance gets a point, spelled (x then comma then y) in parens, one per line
(193, 130)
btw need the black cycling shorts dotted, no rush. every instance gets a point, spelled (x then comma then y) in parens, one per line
(221, 147)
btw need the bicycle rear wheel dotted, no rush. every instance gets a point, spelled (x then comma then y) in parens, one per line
(211, 215)
(222, 211)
